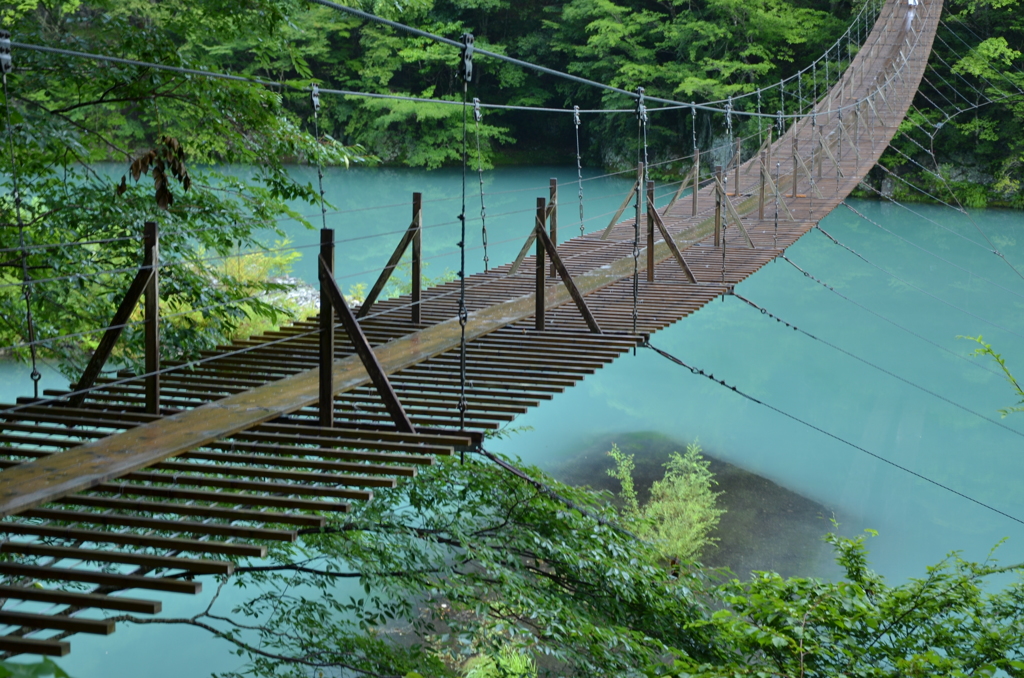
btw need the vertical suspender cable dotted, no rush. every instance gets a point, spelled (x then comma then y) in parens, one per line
(467, 77)
(477, 117)
(315, 97)
(6, 66)
(641, 180)
(579, 161)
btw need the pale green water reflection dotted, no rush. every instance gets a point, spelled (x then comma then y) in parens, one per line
(918, 522)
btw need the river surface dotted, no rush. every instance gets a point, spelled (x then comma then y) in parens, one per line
(875, 435)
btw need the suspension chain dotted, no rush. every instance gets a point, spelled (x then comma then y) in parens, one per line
(467, 77)
(477, 117)
(315, 98)
(579, 162)
(6, 66)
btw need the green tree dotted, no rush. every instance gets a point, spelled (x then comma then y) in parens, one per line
(163, 132)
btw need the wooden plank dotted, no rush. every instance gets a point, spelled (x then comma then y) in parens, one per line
(157, 524)
(198, 565)
(102, 627)
(83, 600)
(121, 581)
(129, 539)
(19, 645)
(191, 509)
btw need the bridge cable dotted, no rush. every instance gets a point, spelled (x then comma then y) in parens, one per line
(892, 322)
(905, 282)
(579, 162)
(467, 76)
(315, 98)
(641, 116)
(6, 66)
(477, 116)
(737, 391)
(906, 381)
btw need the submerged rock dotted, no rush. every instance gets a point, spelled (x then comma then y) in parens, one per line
(765, 526)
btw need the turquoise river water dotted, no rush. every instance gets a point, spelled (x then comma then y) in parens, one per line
(931, 279)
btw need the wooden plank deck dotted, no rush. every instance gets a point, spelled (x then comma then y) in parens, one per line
(237, 454)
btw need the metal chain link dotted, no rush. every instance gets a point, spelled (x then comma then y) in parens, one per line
(579, 162)
(26, 277)
(477, 117)
(315, 98)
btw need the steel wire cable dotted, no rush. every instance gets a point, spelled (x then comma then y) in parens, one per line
(804, 422)
(281, 85)
(889, 320)
(944, 260)
(875, 366)
(909, 284)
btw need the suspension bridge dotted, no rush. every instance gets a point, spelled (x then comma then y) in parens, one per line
(137, 482)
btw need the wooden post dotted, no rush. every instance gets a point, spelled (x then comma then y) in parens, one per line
(795, 172)
(650, 231)
(718, 205)
(151, 259)
(417, 258)
(326, 332)
(540, 219)
(696, 180)
(760, 199)
(739, 149)
(552, 211)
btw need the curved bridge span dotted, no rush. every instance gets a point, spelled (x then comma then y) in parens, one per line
(141, 479)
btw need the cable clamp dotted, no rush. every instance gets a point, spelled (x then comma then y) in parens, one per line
(6, 64)
(641, 107)
(315, 96)
(477, 115)
(576, 116)
(466, 71)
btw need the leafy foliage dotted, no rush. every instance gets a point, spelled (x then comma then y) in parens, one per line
(467, 567)
(82, 228)
(682, 510)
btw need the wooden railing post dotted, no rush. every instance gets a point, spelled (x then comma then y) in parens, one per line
(539, 221)
(696, 180)
(795, 165)
(151, 259)
(718, 205)
(326, 330)
(760, 199)
(739, 150)
(417, 258)
(650, 231)
(552, 211)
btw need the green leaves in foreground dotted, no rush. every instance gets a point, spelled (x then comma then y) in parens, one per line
(38, 670)
(468, 567)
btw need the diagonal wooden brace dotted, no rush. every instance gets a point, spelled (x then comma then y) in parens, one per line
(810, 177)
(365, 352)
(672, 246)
(389, 268)
(682, 187)
(548, 213)
(563, 273)
(113, 333)
(778, 196)
(734, 215)
(633, 192)
(825, 147)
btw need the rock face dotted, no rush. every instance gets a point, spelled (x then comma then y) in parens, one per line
(765, 526)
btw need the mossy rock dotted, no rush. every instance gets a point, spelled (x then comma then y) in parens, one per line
(765, 526)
